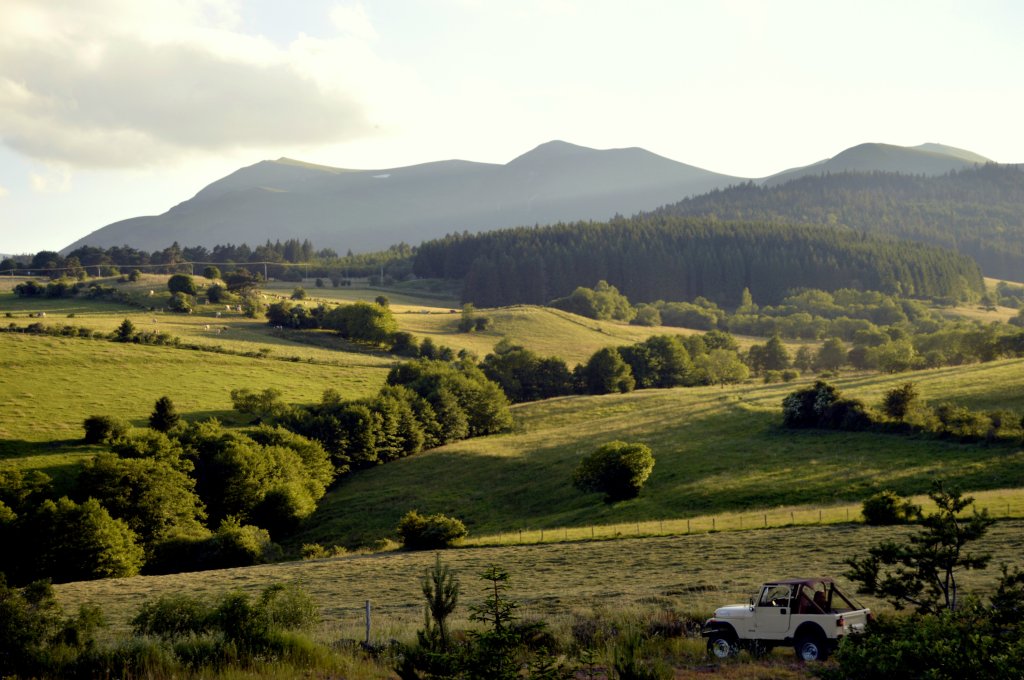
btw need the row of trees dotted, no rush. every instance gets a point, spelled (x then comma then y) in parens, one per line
(664, 257)
(424, 404)
(291, 260)
(823, 406)
(887, 332)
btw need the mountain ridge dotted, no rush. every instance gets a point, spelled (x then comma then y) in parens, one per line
(370, 209)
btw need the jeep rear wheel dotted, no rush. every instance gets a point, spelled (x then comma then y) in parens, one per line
(811, 647)
(722, 645)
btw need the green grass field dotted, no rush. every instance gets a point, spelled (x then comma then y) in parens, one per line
(717, 451)
(692, 574)
(723, 463)
(50, 385)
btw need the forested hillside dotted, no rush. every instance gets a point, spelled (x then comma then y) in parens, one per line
(673, 258)
(978, 211)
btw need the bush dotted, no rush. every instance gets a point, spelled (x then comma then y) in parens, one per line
(102, 429)
(887, 507)
(430, 532)
(618, 469)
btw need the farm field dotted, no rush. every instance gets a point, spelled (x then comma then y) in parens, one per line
(717, 451)
(686, 574)
(51, 384)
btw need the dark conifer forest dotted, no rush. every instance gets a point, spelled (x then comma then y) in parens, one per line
(978, 212)
(665, 257)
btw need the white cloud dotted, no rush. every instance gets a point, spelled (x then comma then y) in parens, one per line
(56, 179)
(119, 83)
(353, 20)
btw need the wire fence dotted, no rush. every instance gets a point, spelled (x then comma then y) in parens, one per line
(1003, 504)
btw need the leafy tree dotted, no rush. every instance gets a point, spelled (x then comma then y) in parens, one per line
(382, 300)
(179, 302)
(102, 429)
(182, 283)
(419, 532)
(525, 376)
(362, 321)
(617, 469)
(899, 400)
(155, 499)
(211, 272)
(719, 367)
(606, 372)
(216, 293)
(35, 635)
(604, 301)
(922, 572)
(81, 542)
(266, 406)
(804, 358)
(299, 293)
(776, 356)
(242, 282)
(646, 315)
(831, 356)
(164, 416)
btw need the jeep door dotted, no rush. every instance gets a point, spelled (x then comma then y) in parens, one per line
(772, 612)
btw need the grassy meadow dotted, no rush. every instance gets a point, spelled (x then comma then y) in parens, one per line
(559, 581)
(717, 451)
(733, 499)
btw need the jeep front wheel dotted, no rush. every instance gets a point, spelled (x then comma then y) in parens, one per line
(722, 645)
(811, 647)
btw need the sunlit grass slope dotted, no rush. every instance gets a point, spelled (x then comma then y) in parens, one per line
(50, 385)
(717, 450)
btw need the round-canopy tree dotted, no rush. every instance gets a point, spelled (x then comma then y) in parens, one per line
(617, 468)
(181, 283)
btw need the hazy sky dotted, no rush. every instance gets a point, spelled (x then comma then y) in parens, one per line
(111, 109)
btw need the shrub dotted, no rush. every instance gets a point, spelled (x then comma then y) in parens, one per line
(101, 429)
(179, 303)
(887, 507)
(429, 532)
(173, 616)
(618, 469)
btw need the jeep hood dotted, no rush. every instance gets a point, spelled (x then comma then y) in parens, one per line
(733, 611)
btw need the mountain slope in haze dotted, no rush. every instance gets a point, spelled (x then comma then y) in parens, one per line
(977, 211)
(926, 159)
(372, 209)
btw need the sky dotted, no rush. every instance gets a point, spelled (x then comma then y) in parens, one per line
(111, 109)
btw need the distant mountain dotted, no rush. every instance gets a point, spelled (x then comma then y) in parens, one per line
(362, 210)
(372, 209)
(926, 159)
(931, 160)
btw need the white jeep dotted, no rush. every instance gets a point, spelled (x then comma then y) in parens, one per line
(810, 614)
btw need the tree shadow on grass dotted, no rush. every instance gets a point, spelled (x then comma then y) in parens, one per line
(22, 448)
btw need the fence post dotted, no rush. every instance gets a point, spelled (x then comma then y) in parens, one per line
(542, 535)
(819, 515)
(712, 523)
(766, 519)
(687, 526)
(367, 623)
